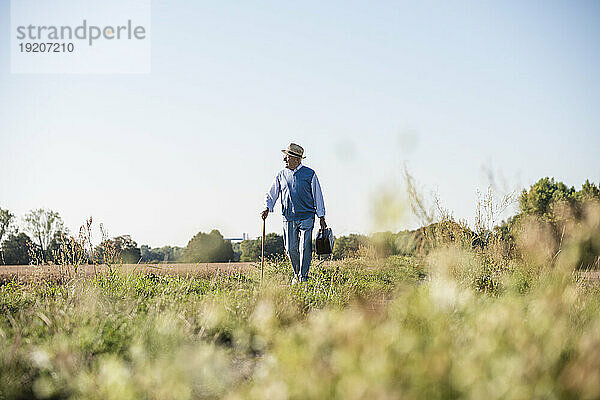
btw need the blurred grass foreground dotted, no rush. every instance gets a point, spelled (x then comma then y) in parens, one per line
(509, 314)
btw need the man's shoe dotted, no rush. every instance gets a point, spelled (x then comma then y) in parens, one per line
(295, 281)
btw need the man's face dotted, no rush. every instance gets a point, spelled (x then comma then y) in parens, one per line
(291, 162)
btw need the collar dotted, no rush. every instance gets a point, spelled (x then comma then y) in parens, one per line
(295, 170)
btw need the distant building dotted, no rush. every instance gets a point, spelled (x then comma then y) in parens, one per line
(245, 236)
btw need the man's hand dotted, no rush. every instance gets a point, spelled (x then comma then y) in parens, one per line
(323, 223)
(264, 213)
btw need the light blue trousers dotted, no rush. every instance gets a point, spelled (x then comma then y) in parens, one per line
(297, 236)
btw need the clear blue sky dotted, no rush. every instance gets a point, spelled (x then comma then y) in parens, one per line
(447, 87)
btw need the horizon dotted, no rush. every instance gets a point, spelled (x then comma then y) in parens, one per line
(511, 209)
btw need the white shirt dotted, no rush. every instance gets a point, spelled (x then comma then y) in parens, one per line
(275, 190)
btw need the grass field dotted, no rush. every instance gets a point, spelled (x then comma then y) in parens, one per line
(360, 329)
(58, 273)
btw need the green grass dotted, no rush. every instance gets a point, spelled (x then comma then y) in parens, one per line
(448, 326)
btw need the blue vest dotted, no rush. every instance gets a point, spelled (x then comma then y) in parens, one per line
(297, 201)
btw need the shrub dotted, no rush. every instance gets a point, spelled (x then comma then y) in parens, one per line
(208, 247)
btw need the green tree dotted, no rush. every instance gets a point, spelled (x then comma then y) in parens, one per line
(555, 202)
(118, 249)
(42, 225)
(67, 250)
(6, 218)
(565, 213)
(348, 246)
(58, 239)
(252, 249)
(208, 247)
(543, 195)
(237, 250)
(128, 248)
(161, 254)
(147, 254)
(589, 192)
(17, 249)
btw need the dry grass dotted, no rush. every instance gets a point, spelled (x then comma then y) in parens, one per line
(54, 273)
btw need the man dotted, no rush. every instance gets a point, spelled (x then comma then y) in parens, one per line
(301, 199)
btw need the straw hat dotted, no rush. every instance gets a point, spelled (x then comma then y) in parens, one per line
(294, 150)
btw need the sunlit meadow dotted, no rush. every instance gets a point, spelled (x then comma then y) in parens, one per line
(456, 321)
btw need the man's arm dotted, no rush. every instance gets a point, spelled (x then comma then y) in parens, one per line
(271, 197)
(319, 202)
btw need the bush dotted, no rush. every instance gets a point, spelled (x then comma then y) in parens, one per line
(348, 246)
(120, 249)
(17, 249)
(161, 254)
(558, 222)
(208, 247)
(252, 249)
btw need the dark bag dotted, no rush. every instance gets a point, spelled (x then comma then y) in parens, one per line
(324, 241)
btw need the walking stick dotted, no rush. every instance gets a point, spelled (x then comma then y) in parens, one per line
(262, 263)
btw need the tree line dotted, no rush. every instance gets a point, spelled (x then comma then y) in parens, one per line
(551, 204)
(560, 211)
(565, 219)
(42, 238)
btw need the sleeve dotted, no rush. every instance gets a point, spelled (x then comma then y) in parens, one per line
(273, 194)
(318, 196)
